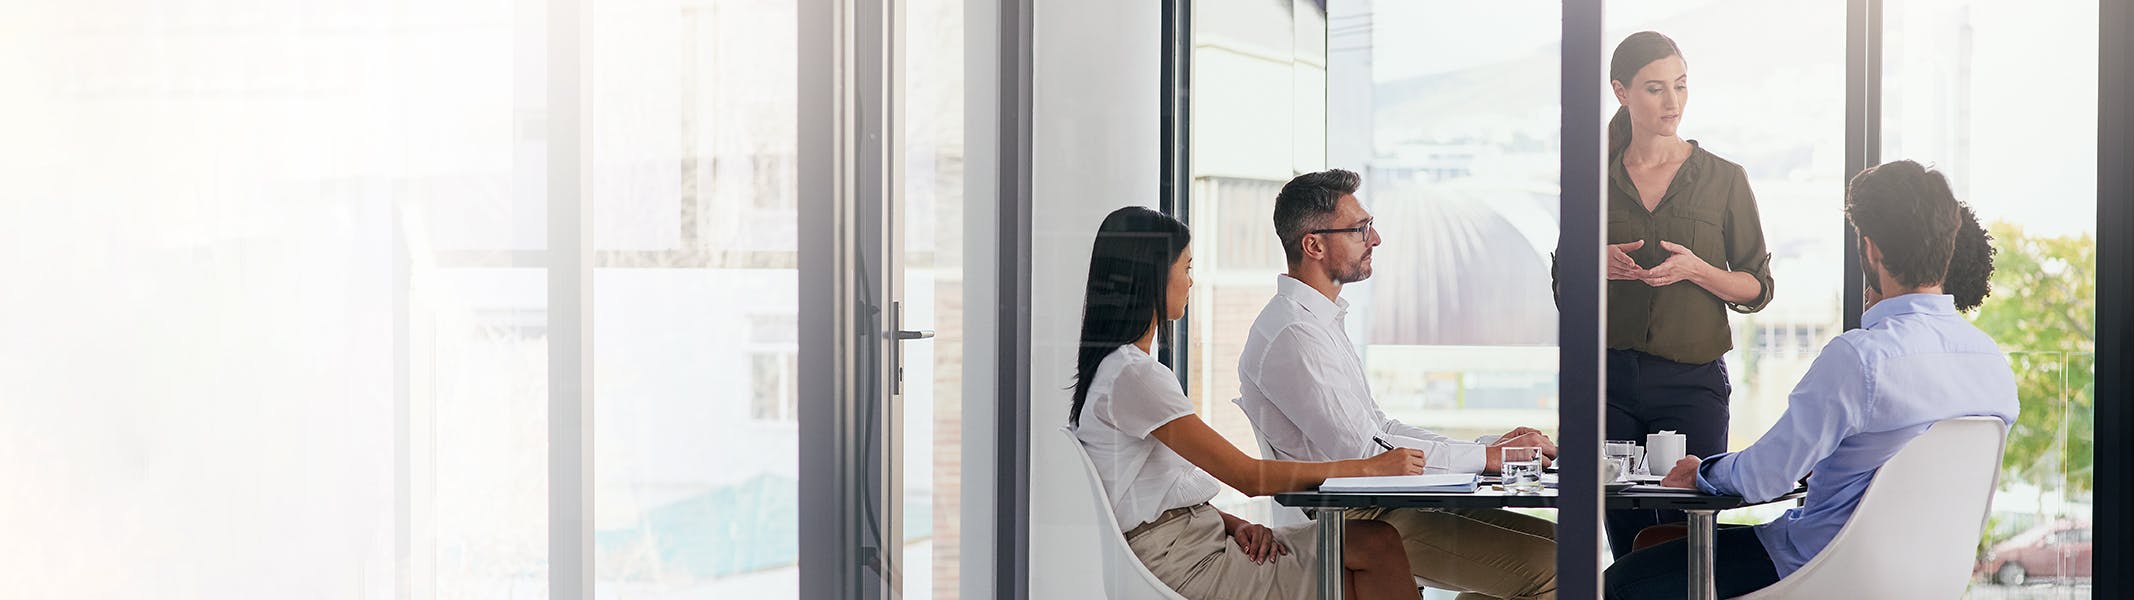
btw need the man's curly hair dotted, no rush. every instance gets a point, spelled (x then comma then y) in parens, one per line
(1971, 267)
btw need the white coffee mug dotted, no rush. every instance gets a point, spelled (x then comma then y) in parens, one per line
(1663, 450)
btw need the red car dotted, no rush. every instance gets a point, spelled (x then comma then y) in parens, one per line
(2056, 549)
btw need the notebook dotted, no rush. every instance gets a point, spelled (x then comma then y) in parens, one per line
(1450, 482)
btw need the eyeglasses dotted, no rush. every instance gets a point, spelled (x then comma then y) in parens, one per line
(1368, 229)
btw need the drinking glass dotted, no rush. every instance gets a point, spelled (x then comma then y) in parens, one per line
(1522, 470)
(1629, 453)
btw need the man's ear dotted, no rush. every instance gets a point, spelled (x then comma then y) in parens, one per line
(1311, 247)
(1869, 251)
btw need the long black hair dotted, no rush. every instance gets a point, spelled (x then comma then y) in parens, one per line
(1633, 54)
(1129, 277)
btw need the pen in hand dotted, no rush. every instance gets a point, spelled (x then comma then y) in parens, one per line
(1412, 458)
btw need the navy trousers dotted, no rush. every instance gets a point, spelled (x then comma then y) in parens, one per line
(1647, 394)
(1739, 566)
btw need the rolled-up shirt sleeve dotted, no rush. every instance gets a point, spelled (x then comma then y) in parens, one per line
(1443, 454)
(1745, 250)
(1828, 405)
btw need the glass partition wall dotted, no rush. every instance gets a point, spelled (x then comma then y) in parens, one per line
(1258, 118)
(1449, 111)
(513, 300)
(2030, 175)
(1446, 110)
(1449, 114)
(299, 347)
(1767, 92)
(447, 300)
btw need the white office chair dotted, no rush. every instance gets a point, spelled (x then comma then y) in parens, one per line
(1125, 578)
(1916, 528)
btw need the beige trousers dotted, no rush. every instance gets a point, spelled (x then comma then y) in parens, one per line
(1194, 556)
(1483, 553)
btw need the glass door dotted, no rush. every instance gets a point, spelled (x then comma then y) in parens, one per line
(882, 199)
(716, 257)
(928, 253)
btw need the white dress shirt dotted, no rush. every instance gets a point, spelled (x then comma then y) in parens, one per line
(1130, 396)
(1304, 388)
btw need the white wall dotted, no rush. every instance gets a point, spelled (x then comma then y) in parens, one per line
(1094, 149)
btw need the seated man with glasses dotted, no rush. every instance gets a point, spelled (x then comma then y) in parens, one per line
(1305, 392)
(1913, 362)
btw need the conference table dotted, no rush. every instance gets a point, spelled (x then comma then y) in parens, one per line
(1703, 511)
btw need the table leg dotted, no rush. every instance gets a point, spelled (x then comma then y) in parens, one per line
(1331, 528)
(1701, 533)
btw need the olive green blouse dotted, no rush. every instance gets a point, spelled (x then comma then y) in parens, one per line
(1709, 209)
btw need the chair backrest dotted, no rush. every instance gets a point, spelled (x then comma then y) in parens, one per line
(1125, 578)
(1277, 515)
(1915, 532)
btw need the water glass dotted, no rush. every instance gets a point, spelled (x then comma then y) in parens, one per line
(1522, 470)
(1629, 453)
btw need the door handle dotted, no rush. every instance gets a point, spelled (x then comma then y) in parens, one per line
(896, 360)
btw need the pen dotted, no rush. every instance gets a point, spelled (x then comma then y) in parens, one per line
(1382, 442)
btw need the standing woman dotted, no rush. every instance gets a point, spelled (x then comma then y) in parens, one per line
(1160, 464)
(1684, 246)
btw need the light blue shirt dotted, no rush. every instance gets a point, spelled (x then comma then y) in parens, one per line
(1914, 362)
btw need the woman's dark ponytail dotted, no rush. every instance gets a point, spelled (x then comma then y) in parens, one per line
(1618, 133)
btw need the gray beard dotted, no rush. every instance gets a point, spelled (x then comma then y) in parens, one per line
(1352, 273)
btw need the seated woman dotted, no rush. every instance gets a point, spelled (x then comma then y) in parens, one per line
(1160, 464)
